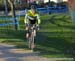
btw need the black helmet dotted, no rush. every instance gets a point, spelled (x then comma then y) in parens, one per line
(33, 7)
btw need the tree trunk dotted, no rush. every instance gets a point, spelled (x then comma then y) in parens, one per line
(11, 2)
(49, 1)
(6, 7)
(12, 7)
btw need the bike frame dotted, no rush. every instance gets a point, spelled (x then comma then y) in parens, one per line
(31, 38)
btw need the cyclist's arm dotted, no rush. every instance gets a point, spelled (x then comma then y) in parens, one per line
(25, 20)
(26, 16)
(39, 21)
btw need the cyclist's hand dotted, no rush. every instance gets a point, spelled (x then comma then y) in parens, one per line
(38, 28)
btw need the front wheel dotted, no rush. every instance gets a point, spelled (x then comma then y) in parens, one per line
(31, 41)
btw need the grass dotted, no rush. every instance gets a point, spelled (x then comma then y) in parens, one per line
(56, 38)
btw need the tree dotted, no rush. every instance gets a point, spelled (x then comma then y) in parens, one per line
(11, 2)
(1, 2)
(49, 1)
(6, 7)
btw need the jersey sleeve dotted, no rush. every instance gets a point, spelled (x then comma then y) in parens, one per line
(25, 20)
(26, 15)
(38, 18)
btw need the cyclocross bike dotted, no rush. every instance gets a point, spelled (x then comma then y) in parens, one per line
(31, 39)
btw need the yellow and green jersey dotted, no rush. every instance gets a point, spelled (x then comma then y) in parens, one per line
(32, 18)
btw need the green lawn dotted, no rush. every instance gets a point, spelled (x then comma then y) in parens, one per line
(56, 38)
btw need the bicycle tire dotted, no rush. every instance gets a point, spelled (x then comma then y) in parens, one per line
(31, 41)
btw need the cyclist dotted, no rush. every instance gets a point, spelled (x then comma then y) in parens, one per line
(31, 18)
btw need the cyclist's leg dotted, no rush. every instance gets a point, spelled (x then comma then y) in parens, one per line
(34, 33)
(27, 31)
(31, 35)
(34, 30)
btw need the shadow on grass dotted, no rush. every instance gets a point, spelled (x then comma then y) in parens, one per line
(14, 37)
(58, 21)
(12, 34)
(48, 43)
(53, 45)
(52, 19)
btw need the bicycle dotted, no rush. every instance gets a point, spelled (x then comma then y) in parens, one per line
(31, 39)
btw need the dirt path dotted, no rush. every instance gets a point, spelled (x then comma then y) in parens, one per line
(11, 53)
